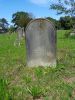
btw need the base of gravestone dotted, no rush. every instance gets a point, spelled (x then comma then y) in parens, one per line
(41, 63)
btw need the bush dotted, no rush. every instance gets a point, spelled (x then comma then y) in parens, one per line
(67, 33)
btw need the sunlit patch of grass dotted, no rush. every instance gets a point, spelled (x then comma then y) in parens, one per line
(4, 92)
(35, 91)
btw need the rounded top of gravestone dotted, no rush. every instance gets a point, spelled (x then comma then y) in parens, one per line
(42, 21)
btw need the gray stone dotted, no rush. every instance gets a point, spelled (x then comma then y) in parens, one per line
(72, 33)
(20, 35)
(20, 32)
(41, 43)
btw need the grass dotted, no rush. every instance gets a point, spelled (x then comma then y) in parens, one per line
(18, 82)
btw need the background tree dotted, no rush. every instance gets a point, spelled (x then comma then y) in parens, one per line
(64, 7)
(66, 22)
(21, 18)
(3, 25)
(4, 22)
(56, 22)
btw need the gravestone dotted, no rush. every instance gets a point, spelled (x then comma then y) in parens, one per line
(20, 35)
(73, 31)
(23, 32)
(41, 43)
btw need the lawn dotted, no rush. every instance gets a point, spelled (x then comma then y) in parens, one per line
(18, 82)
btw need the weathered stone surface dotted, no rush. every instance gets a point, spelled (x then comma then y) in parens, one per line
(72, 34)
(20, 32)
(73, 31)
(41, 43)
(20, 35)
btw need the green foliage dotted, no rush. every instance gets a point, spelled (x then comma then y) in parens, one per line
(4, 22)
(4, 25)
(39, 72)
(27, 79)
(60, 9)
(35, 91)
(66, 22)
(67, 89)
(64, 6)
(4, 93)
(21, 18)
(55, 22)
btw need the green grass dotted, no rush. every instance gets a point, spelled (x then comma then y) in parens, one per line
(18, 82)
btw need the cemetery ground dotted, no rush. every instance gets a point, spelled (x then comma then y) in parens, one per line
(19, 82)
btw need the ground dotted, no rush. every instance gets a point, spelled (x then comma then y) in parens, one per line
(18, 82)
